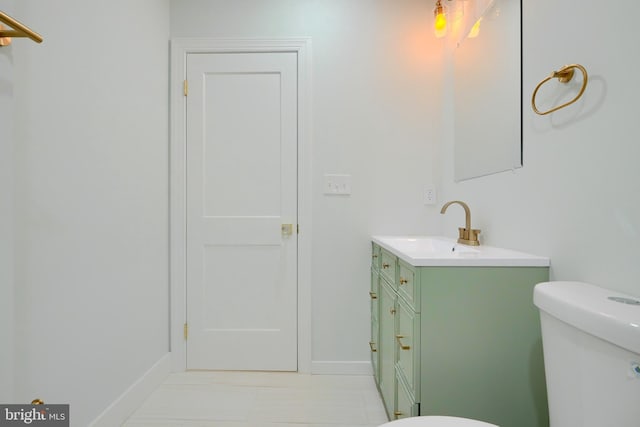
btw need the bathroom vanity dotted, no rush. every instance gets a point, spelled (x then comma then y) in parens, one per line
(454, 331)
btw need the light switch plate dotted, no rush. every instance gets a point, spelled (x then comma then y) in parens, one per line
(337, 185)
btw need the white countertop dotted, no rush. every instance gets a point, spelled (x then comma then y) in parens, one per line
(430, 251)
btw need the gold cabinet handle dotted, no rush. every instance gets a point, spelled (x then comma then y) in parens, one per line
(385, 266)
(373, 295)
(402, 347)
(403, 281)
(392, 311)
(373, 349)
(374, 256)
(398, 414)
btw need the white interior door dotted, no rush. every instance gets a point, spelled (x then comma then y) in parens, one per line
(241, 188)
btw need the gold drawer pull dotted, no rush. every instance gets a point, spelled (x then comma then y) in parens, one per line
(373, 295)
(402, 347)
(403, 281)
(392, 311)
(373, 349)
(385, 266)
(398, 414)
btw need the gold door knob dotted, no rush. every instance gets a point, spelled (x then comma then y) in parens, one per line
(373, 295)
(385, 266)
(287, 229)
(403, 281)
(373, 349)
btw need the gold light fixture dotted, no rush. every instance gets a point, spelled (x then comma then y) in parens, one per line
(440, 20)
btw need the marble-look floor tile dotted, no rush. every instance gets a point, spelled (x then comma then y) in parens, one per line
(261, 399)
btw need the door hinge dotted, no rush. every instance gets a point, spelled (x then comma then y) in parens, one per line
(186, 331)
(185, 88)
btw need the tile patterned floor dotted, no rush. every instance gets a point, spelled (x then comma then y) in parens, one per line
(261, 399)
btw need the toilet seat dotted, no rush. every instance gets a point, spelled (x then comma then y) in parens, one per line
(437, 421)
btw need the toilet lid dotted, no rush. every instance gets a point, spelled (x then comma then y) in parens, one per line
(435, 421)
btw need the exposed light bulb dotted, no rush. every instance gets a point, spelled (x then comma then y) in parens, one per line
(475, 30)
(440, 23)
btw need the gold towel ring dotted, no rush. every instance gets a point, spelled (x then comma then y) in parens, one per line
(564, 75)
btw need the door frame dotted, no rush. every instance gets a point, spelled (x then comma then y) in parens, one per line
(180, 48)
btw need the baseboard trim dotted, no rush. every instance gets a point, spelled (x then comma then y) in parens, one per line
(341, 368)
(129, 401)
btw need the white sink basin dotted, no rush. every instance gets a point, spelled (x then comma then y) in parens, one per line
(421, 251)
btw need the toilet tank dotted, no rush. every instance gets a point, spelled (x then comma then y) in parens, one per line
(591, 344)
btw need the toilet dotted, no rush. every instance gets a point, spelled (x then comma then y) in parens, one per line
(591, 346)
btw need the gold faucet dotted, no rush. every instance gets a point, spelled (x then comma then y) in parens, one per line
(468, 235)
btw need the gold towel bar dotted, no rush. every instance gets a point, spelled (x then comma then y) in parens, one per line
(564, 75)
(19, 30)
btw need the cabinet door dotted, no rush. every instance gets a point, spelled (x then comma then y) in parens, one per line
(387, 347)
(405, 405)
(408, 346)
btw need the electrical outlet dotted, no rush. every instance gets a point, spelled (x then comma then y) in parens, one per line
(430, 195)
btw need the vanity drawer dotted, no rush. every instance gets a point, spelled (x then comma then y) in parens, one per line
(408, 346)
(375, 256)
(373, 294)
(407, 287)
(388, 263)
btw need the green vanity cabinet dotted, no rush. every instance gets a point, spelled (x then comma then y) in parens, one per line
(460, 341)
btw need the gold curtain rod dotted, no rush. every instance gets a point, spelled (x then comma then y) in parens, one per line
(564, 75)
(18, 30)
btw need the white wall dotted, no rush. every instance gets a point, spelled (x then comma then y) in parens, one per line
(6, 220)
(376, 72)
(577, 198)
(91, 211)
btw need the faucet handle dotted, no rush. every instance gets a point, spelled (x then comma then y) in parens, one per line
(462, 234)
(468, 237)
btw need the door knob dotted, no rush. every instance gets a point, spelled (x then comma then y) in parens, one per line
(287, 229)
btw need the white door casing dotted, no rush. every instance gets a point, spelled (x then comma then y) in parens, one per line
(241, 211)
(181, 49)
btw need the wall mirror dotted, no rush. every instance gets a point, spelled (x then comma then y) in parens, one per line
(488, 90)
